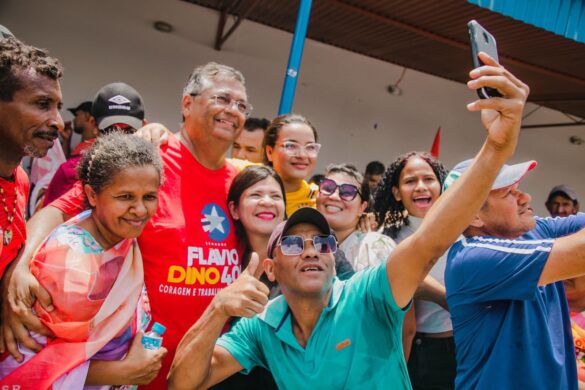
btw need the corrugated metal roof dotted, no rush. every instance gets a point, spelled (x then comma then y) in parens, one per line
(431, 36)
(563, 17)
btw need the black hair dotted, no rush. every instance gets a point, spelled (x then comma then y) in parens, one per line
(252, 124)
(317, 178)
(271, 134)
(374, 168)
(116, 129)
(16, 58)
(389, 212)
(112, 153)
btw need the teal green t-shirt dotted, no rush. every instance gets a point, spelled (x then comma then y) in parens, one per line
(357, 342)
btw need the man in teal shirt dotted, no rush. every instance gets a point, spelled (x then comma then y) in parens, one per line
(331, 334)
(340, 351)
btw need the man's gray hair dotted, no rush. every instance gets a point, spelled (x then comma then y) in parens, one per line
(203, 75)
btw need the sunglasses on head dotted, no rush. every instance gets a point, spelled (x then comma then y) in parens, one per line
(346, 191)
(295, 245)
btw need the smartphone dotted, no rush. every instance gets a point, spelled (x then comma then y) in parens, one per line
(482, 40)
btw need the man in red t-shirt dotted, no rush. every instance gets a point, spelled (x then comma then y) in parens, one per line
(189, 247)
(30, 98)
(84, 124)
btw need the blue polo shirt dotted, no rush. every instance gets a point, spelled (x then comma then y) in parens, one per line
(510, 333)
(357, 342)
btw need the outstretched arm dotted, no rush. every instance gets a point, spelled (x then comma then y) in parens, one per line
(451, 214)
(199, 363)
(155, 133)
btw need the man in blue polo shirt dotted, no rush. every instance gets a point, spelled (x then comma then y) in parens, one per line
(331, 334)
(510, 318)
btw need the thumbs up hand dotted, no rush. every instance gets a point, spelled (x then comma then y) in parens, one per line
(247, 296)
(254, 268)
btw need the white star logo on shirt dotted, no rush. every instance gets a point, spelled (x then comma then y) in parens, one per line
(213, 221)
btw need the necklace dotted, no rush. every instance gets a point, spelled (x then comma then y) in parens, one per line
(6, 233)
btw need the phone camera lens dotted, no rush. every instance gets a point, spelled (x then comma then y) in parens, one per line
(487, 39)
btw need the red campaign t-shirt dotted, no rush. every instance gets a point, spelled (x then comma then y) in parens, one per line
(19, 188)
(189, 247)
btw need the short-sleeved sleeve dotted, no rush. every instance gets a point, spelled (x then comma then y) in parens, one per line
(242, 342)
(489, 269)
(559, 227)
(372, 287)
(71, 202)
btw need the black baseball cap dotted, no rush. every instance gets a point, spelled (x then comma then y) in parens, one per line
(85, 107)
(118, 103)
(563, 189)
(302, 215)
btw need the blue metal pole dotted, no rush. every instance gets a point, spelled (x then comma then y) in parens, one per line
(294, 59)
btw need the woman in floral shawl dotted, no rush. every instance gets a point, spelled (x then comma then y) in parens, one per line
(92, 268)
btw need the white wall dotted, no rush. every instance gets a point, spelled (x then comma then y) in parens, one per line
(342, 93)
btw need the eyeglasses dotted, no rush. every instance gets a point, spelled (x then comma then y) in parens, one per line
(295, 245)
(227, 101)
(347, 192)
(294, 149)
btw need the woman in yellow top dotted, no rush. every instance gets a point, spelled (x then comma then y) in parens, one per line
(291, 148)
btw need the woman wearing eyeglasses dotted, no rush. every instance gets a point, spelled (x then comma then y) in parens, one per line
(342, 199)
(291, 148)
(409, 188)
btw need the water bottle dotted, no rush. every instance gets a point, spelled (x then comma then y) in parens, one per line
(153, 339)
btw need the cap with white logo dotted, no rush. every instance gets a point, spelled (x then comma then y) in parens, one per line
(118, 103)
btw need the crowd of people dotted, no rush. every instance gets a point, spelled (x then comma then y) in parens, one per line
(410, 276)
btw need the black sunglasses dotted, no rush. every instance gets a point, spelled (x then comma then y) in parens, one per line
(347, 192)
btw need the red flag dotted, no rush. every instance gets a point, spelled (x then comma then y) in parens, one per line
(436, 144)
